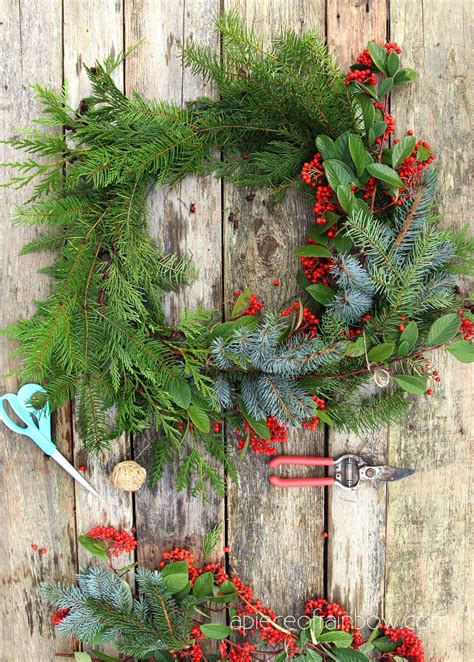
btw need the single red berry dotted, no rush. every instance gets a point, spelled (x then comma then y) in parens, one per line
(43, 551)
(403, 318)
(401, 327)
(34, 547)
(324, 534)
(434, 373)
(410, 132)
(429, 391)
(82, 468)
(226, 550)
(276, 282)
(192, 207)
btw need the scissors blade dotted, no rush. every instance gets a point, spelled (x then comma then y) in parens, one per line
(67, 466)
(388, 473)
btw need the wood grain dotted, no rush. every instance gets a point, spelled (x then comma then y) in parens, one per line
(275, 534)
(429, 526)
(356, 528)
(37, 499)
(165, 517)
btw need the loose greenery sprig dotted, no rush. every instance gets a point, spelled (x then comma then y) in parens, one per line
(174, 609)
(378, 289)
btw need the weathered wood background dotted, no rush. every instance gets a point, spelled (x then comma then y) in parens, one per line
(403, 553)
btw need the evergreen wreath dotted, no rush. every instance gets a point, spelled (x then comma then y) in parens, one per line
(378, 284)
(170, 616)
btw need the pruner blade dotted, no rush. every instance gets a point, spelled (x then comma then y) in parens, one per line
(386, 473)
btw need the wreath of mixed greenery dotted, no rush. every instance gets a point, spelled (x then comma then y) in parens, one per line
(377, 273)
(178, 610)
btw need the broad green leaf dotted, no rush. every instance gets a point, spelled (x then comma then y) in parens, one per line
(379, 128)
(315, 625)
(176, 582)
(179, 390)
(242, 303)
(161, 655)
(385, 173)
(385, 87)
(348, 655)
(215, 630)
(378, 55)
(312, 250)
(260, 427)
(325, 145)
(404, 76)
(422, 153)
(462, 350)
(281, 657)
(367, 109)
(96, 547)
(82, 657)
(385, 644)
(341, 639)
(355, 348)
(200, 418)
(408, 336)
(381, 352)
(107, 658)
(337, 172)
(321, 293)
(311, 655)
(392, 64)
(343, 243)
(443, 329)
(317, 229)
(175, 568)
(226, 329)
(360, 156)
(346, 197)
(402, 150)
(324, 416)
(412, 383)
(203, 585)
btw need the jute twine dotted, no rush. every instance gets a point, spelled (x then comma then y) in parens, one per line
(128, 476)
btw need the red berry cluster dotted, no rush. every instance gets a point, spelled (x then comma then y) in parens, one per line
(59, 615)
(236, 652)
(389, 121)
(309, 322)
(411, 169)
(338, 617)
(278, 435)
(313, 174)
(409, 646)
(313, 423)
(117, 541)
(366, 76)
(254, 304)
(467, 327)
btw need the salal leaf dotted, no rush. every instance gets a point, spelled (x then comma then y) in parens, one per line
(215, 630)
(179, 390)
(312, 250)
(415, 384)
(203, 585)
(337, 172)
(242, 303)
(404, 76)
(367, 109)
(392, 64)
(385, 644)
(462, 350)
(402, 150)
(385, 173)
(341, 639)
(200, 418)
(325, 145)
(96, 547)
(348, 655)
(443, 330)
(359, 155)
(381, 352)
(422, 153)
(385, 87)
(378, 55)
(408, 338)
(321, 293)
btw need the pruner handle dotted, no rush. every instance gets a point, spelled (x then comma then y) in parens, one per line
(278, 481)
(304, 461)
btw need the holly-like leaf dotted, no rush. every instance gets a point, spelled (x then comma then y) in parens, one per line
(312, 250)
(96, 547)
(260, 427)
(462, 350)
(408, 339)
(367, 109)
(321, 293)
(381, 352)
(385, 87)
(242, 303)
(203, 585)
(346, 197)
(385, 173)
(415, 384)
(359, 155)
(443, 329)
(325, 145)
(392, 64)
(341, 639)
(337, 172)
(348, 655)
(404, 76)
(215, 630)
(402, 150)
(378, 55)
(200, 418)
(179, 390)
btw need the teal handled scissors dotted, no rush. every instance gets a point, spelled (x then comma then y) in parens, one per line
(37, 426)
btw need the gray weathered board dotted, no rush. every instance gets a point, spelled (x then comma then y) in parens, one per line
(403, 553)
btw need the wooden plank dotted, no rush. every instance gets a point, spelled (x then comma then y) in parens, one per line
(356, 525)
(165, 517)
(37, 497)
(275, 535)
(429, 553)
(91, 32)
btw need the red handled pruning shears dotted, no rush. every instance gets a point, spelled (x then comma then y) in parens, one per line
(349, 471)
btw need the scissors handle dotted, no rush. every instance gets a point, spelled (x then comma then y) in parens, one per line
(40, 434)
